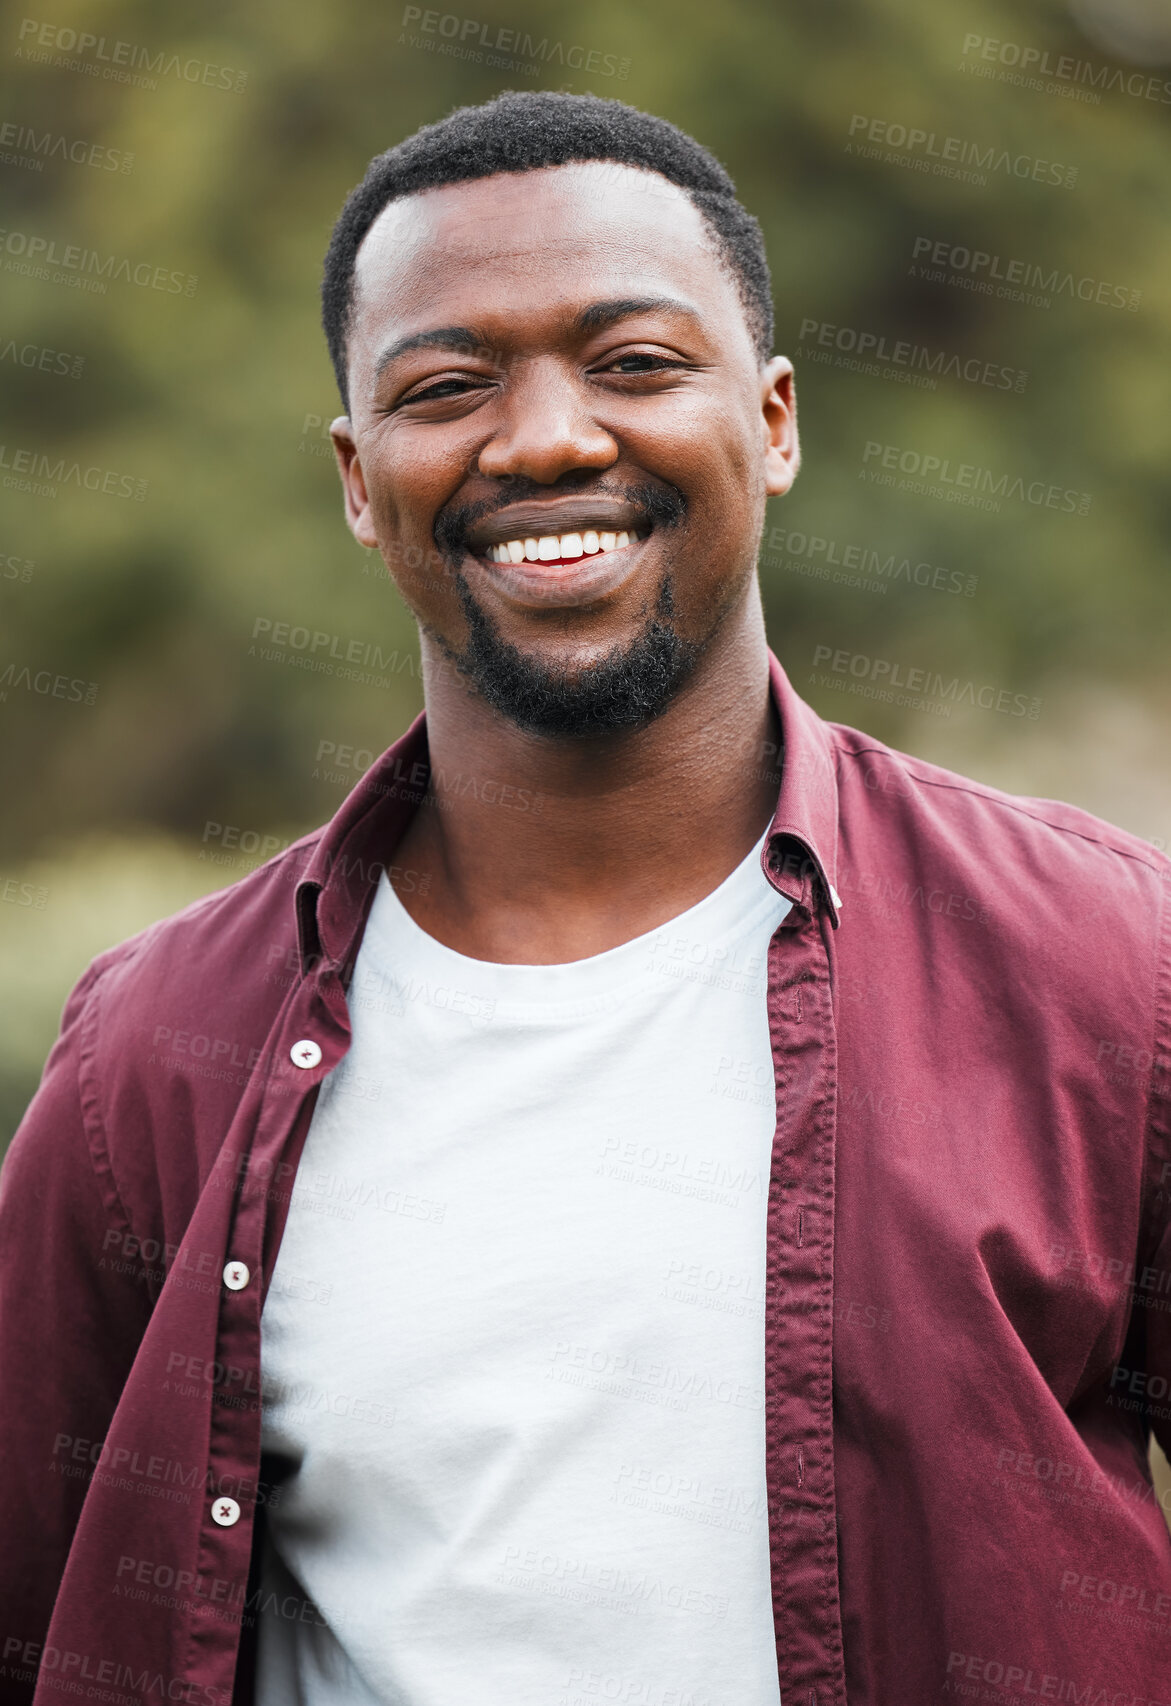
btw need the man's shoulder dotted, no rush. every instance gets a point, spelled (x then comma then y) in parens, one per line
(211, 979)
(225, 952)
(164, 1032)
(1027, 831)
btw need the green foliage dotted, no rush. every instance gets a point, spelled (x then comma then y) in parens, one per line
(209, 397)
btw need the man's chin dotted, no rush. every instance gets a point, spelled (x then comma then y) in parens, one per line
(625, 689)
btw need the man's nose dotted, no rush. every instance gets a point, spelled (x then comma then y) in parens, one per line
(544, 429)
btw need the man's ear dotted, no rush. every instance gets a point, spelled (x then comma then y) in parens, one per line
(778, 403)
(358, 518)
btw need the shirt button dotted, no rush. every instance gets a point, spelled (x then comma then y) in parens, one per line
(236, 1276)
(226, 1512)
(306, 1053)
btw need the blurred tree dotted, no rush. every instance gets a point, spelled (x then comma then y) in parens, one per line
(173, 281)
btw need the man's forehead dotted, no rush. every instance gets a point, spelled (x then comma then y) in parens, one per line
(514, 217)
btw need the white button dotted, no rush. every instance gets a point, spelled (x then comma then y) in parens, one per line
(305, 1053)
(236, 1276)
(835, 897)
(226, 1512)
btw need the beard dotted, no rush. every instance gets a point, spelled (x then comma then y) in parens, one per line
(626, 689)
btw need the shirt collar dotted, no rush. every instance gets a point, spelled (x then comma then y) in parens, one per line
(335, 892)
(338, 885)
(802, 847)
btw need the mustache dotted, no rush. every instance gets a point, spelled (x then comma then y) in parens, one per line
(659, 505)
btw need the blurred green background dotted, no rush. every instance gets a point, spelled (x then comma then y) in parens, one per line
(197, 157)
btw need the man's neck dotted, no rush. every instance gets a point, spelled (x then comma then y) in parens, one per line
(542, 850)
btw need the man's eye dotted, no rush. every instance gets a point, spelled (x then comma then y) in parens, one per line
(441, 388)
(640, 363)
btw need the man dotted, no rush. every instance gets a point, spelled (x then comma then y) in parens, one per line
(682, 1174)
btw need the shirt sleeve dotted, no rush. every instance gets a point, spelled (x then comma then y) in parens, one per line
(1150, 1384)
(73, 1309)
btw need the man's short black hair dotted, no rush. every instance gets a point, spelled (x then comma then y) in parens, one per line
(520, 131)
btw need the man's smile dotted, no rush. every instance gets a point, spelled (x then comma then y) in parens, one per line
(560, 548)
(567, 551)
(568, 569)
(556, 528)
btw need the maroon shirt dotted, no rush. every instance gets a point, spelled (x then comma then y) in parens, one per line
(968, 1274)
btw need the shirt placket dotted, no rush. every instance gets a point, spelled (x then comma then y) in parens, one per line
(309, 1039)
(799, 1457)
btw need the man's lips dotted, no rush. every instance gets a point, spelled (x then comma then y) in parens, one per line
(562, 552)
(555, 519)
(566, 581)
(552, 548)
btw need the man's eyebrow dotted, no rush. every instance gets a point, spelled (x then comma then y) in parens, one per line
(601, 314)
(465, 339)
(468, 341)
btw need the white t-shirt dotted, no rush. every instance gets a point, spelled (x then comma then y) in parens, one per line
(515, 1340)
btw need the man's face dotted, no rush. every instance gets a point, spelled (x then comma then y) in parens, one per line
(560, 356)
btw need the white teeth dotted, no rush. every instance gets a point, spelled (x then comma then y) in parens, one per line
(551, 548)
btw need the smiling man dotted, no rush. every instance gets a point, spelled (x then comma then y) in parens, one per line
(562, 408)
(663, 1199)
